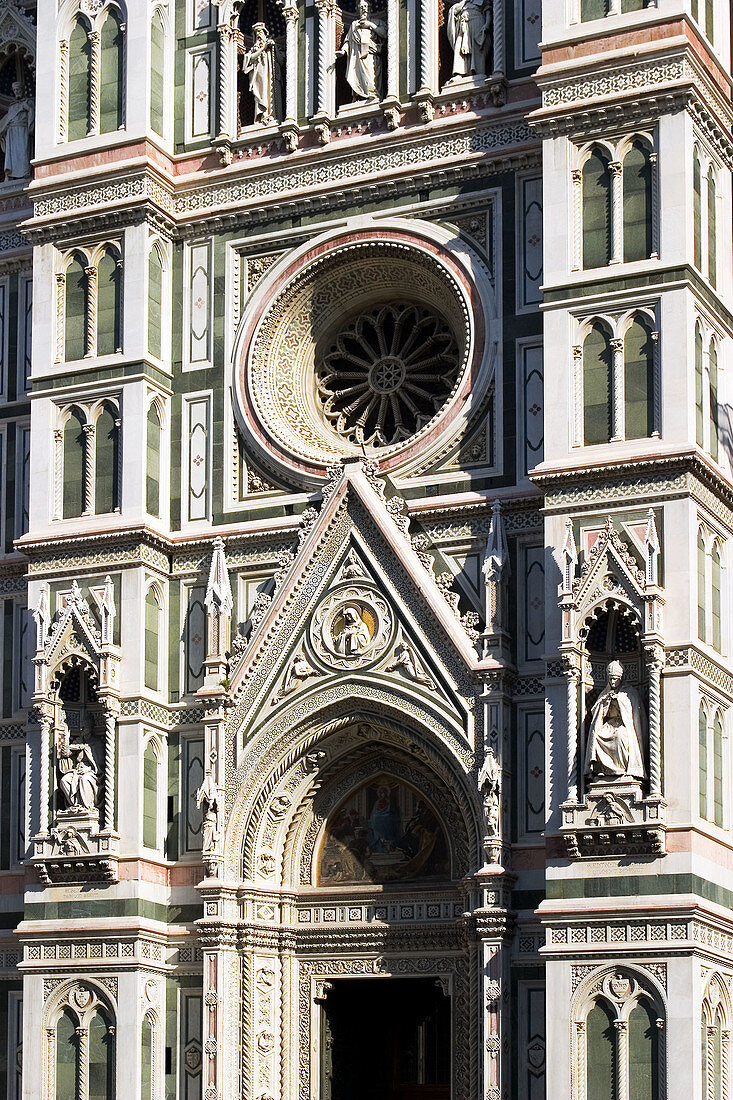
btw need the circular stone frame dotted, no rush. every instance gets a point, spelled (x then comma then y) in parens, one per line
(303, 299)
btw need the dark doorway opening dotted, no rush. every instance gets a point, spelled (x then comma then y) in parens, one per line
(385, 1039)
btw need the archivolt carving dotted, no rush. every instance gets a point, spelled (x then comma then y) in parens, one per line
(348, 741)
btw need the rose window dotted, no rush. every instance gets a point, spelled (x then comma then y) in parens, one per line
(386, 373)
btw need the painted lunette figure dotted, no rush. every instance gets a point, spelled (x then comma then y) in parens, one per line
(615, 739)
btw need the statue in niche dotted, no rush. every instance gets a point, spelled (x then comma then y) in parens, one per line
(616, 735)
(16, 128)
(362, 48)
(468, 24)
(77, 771)
(488, 782)
(263, 64)
(207, 801)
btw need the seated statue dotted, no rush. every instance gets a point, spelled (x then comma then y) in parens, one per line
(616, 735)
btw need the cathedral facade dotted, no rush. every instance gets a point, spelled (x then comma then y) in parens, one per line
(365, 500)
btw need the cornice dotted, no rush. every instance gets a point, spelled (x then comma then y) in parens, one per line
(305, 184)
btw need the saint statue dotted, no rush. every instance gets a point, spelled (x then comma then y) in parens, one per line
(263, 64)
(616, 733)
(468, 26)
(353, 637)
(362, 47)
(15, 131)
(77, 770)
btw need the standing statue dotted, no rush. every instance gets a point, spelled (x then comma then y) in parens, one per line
(263, 64)
(15, 131)
(489, 786)
(468, 27)
(362, 47)
(77, 770)
(616, 736)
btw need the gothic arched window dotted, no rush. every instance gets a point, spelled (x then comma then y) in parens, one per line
(74, 445)
(151, 764)
(697, 210)
(152, 638)
(108, 303)
(79, 118)
(67, 1056)
(601, 1056)
(702, 615)
(155, 302)
(106, 463)
(101, 1057)
(157, 74)
(713, 385)
(147, 1046)
(702, 759)
(111, 114)
(699, 389)
(716, 598)
(639, 379)
(75, 313)
(596, 210)
(637, 198)
(712, 227)
(597, 390)
(152, 463)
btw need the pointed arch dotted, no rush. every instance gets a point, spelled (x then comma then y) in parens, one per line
(112, 60)
(639, 379)
(713, 398)
(702, 602)
(716, 624)
(637, 202)
(153, 435)
(157, 73)
(155, 300)
(702, 759)
(596, 185)
(75, 309)
(153, 615)
(712, 226)
(152, 760)
(74, 446)
(697, 209)
(597, 385)
(106, 460)
(699, 388)
(109, 302)
(79, 116)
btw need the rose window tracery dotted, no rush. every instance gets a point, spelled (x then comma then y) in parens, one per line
(386, 373)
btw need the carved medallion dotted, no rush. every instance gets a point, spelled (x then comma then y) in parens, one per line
(352, 627)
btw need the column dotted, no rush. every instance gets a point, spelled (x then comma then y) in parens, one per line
(653, 162)
(91, 319)
(58, 473)
(618, 394)
(393, 42)
(227, 129)
(63, 105)
(498, 38)
(325, 51)
(656, 387)
(44, 780)
(291, 62)
(654, 666)
(94, 81)
(622, 1059)
(577, 176)
(572, 679)
(82, 1078)
(428, 47)
(617, 209)
(88, 469)
(60, 315)
(578, 395)
(110, 731)
(118, 500)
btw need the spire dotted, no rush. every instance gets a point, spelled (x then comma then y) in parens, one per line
(496, 557)
(651, 548)
(495, 570)
(42, 617)
(108, 611)
(569, 558)
(219, 605)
